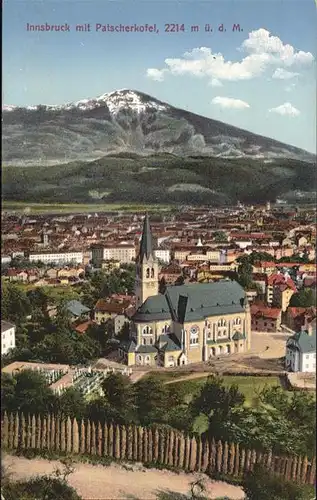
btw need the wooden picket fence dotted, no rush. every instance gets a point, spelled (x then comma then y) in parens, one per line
(164, 447)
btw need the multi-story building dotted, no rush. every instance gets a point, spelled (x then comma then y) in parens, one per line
(163, 254)
(123, 253)
(72, 256)
(7, 337)
(188, 323)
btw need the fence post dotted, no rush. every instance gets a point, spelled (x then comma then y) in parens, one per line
(162, 441)
(5, 431)
(231, 459)
(225, 458)
(303, 472)
(299, 468)
(16, 431)
(312, 472)
(75, 436)
(33, 432)
(93, 438)
(205, 455)
(135, 443)
(11, 431)
(145, 445)
(52, 433)
(150, 445)
(88, 437)
(68, 435)
(130, 443)
(23, 432)
(99, 439)
(63, 434)
(219, 456)
(140, 443)
(44, 433)
(181, 456)
(248, 461)
(236, 460)
(110, 443)
(117, 442)
(187, 453)
(242, 462)
(123, 449)
(105, 440)
(193, 455)
(199, 455)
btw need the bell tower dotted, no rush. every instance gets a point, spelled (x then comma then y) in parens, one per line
(146, 280)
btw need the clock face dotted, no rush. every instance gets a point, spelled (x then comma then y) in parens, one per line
(194, 330)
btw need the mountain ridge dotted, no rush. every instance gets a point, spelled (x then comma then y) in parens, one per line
(127, 121)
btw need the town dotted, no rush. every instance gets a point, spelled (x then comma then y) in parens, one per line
(167, 301)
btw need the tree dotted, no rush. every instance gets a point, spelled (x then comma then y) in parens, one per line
(304, 298)
(7, 392)
(219, 404)
(14, 303)
(219, 237)
(118, 392)
(245, 270)
(31, 394)
(39, 299)
(154, 400)
(71, 403)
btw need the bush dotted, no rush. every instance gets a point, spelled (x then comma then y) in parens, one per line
(259, 485)
(44, 488)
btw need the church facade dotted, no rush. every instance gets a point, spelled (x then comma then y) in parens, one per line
(185, 324)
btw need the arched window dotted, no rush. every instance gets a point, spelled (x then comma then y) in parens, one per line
(139, 358)
(151, 341)
(144, 341)
(222, 322)
(237, 321)
(147, 358)
(152, 272)
(148, 273)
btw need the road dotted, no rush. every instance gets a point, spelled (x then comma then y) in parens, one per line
(115, 482)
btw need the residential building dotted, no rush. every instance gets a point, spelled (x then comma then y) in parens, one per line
(265, 319)
(163, 255)
(188, 323)
(77, 310)
(301, 351)
(7, 337)
(51, 257)
(123, 253)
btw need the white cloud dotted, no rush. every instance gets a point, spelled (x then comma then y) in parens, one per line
(283, 74)
(215, 83)
(261, 41)
(263, 51)
(290, 87)
(285, 109)
(230, 102)
(156, 74)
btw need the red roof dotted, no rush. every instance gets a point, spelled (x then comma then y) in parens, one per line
(296, 311)
(261, 311)
(82, 327)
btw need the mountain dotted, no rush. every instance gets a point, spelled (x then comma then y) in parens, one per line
(126, 121)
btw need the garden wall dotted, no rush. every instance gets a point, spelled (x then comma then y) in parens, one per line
(163, 447)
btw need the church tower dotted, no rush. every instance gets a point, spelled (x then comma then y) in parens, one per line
(146, 280)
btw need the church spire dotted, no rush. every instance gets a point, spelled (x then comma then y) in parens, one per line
(146, 247)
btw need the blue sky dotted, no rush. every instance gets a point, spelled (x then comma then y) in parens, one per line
(262, 78)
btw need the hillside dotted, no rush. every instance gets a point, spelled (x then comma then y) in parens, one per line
(160, 178)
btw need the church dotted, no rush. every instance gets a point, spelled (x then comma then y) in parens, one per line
(187, 323)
